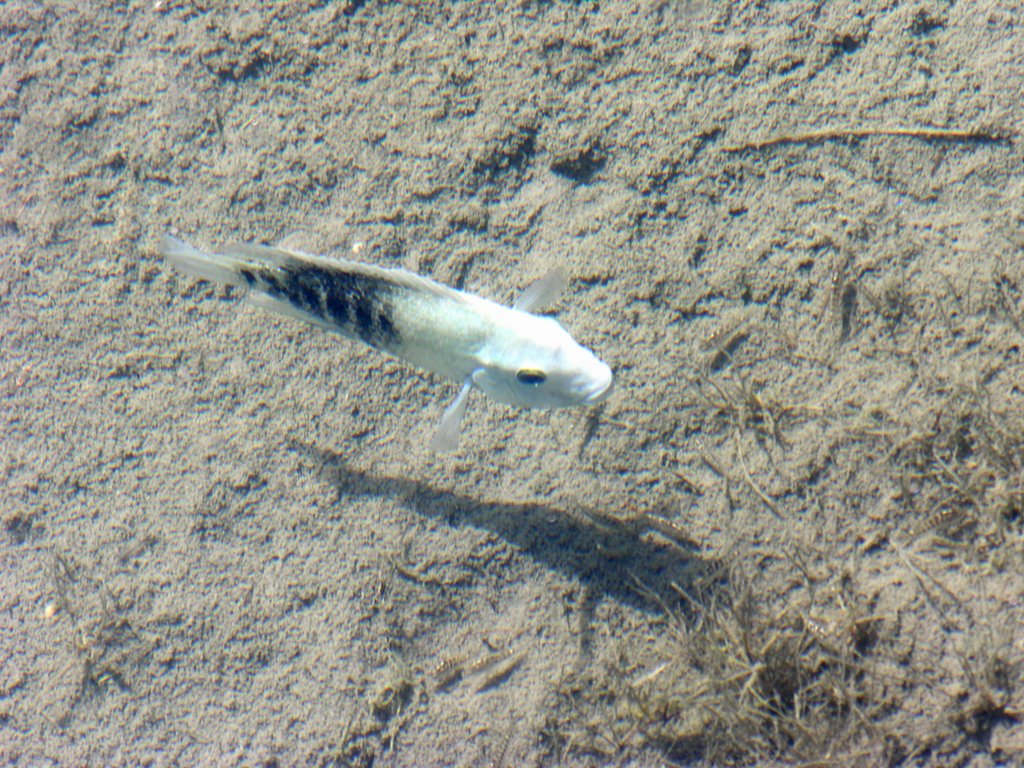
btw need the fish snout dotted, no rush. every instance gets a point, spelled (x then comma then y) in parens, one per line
(600, 387)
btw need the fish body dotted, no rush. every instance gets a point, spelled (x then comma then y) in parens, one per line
(512, 355)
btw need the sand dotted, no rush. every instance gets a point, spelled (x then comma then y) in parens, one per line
(793, 535)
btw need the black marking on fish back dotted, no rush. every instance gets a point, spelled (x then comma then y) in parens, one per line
(360, 305)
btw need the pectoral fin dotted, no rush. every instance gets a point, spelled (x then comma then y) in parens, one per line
(446, 439)
(543, 292)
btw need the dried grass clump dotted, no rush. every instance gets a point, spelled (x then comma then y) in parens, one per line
(961, 473)
(739, 683)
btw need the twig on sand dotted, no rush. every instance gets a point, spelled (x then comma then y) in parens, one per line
(977, 136)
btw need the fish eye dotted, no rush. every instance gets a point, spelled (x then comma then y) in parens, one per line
(531, 376)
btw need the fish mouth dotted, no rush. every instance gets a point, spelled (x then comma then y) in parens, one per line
(600, 391)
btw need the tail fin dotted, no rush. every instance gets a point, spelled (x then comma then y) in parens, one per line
(205, 266)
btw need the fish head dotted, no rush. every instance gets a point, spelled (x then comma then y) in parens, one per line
(542, 366)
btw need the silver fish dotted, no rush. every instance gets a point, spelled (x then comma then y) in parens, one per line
(510, 354)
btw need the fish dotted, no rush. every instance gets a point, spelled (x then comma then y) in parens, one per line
(511, 354)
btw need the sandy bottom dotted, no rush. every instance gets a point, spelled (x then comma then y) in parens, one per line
(794, 534)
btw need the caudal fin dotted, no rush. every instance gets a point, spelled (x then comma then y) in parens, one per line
(205, 266)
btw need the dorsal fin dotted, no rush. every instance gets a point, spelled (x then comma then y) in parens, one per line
(543, 292)
(280, 257)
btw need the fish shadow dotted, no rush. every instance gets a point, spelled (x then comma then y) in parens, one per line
(608, 556)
